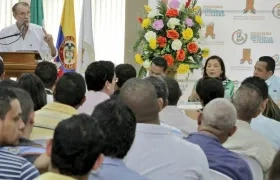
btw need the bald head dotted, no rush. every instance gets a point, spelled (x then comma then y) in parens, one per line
(247, 100)
(140, 95)
(219, 113)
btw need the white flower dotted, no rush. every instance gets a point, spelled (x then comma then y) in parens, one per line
(146, 64)
(176, 45)
(173, 22)
(197, 41)
(153, 14)
(150, 35)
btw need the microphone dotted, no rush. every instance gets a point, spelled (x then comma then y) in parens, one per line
(23, 26)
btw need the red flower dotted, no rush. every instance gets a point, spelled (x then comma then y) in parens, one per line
(192, 47)
(172, 34)
(169, 59)
(140, 20)
(172, 13)
(161, 41)
(181, 55)
(188, 3)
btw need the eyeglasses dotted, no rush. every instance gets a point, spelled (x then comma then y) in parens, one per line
(25, 14)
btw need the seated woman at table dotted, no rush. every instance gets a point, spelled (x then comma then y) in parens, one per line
(207, 89)
(215, 67)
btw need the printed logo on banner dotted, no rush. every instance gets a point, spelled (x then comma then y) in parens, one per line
(249, 7)
(276, 11)
(276, 58)
(213, 11)
(249, 13)
(210, 35)
(210, 31)
(262, 37)
(239, 37)
(246, 57)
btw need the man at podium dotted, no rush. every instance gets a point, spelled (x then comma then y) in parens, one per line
(25, 36)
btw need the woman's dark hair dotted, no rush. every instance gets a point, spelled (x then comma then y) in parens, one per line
(35, 87)
(221, 62)
(272, 110)
(274, 171)
(209, 88)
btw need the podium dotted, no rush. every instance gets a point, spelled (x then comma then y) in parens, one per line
(17, 63)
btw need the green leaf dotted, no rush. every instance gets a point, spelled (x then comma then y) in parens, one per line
(140, 39)
(161, 7)
(142, 72)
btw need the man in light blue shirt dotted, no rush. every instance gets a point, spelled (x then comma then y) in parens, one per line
(264, 69)
(119, 124)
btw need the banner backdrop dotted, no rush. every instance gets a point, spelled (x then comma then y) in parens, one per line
(240, 32)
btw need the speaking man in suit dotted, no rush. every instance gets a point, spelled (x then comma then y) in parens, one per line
(30, 37)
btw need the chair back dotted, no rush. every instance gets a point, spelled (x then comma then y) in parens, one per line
(255, 167)
(215, 175)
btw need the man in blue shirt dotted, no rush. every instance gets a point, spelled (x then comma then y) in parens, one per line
(216, 124)
(264, 69)
(119, 124)
(11, 127)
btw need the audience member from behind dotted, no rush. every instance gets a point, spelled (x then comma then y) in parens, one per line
(268, 127)
(162, 95)
(118, 123)
(123, 73)
(264, 68)
(8, 83)
(69, 95)
(215, 125)
(158, 66)
(173, 116)
(12, 126)
(207, 89)
(272, 110)
(32, 84)
(76, 148)
(26, 148)
(248, 101)
(2, 70)
(274, 171)
(187, 160)
(47, 72)
(100, 80)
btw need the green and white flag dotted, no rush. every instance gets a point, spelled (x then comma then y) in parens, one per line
(37, 12)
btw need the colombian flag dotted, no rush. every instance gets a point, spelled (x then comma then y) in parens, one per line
(66, 40)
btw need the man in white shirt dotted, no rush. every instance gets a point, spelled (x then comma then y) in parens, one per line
(264, 69)
(171, 114)
(248, 101)
(32, 38)
(156, 152)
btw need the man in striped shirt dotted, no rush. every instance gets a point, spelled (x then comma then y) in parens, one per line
(11, 126)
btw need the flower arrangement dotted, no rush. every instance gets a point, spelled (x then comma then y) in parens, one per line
(173, 32)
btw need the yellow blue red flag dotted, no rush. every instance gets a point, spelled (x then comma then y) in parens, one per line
(66, 39)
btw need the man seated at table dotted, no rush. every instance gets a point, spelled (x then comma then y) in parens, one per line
(30, 36)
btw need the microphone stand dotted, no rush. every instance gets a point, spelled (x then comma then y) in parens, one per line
(16, 34)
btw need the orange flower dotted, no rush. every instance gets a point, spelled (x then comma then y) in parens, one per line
(172, 13)
(161, 41)
(181, 55)
(192, 47)
(140, 20)
(172, 34)
(169, 59)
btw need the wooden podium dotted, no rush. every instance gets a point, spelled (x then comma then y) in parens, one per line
(17, 63)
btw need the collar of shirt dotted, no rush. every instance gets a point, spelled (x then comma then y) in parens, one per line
(30, 27)
(243, 124)
(49, 91)
(153, 129)
(204, 135)
(54, 176)
(113, 161)
(55, 106)
(269, 80)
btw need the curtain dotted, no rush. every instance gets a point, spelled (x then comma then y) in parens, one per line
(108, 18)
